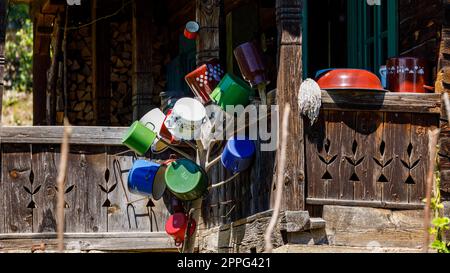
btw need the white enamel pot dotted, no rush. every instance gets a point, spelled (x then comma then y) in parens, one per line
(188, 116)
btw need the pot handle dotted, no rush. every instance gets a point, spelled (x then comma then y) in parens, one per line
(153, 125)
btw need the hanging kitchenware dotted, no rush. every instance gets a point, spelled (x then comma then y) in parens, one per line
(142, 176)
(187, 117)
(204, 79)
(249, 58)
(176, 227)
(232, 91)
(407, 74)
(154, 120)
(139, 138)
(350, 79)
(250, 61)
(238, 154)
(191, 30)
(186, 180)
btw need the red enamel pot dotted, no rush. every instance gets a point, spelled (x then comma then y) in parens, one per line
(176, 227)
(204, 79)
(191, 30)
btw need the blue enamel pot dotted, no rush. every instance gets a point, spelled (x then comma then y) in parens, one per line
(238, 154)
(142, 176)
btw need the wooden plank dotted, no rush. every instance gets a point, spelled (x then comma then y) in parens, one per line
(16, 169)
(333, 141)
(316, 169)
(122, 217)
(419, 140)
(111, 241)
(397, 132)
(379, 101)
(53, 135)
(288, 15)
(86, 169)
(44, 166)
(359, 203)
(368, 135)
(346, 170)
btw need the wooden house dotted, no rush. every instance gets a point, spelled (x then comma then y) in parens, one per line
(356, 177)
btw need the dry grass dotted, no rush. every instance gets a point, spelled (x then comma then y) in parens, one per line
(17, 108)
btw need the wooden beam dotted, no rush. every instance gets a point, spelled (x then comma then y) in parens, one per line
(101, 44)
(208, 16)
(142, 58)
(85, 242)
(370, 204)
(288, 16)
(350, 100)
(41, 64)
(83, 135)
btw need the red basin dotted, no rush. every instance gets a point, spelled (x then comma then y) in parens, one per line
(350, 79)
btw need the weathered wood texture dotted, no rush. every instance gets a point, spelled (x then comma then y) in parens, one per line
(208, 16)
(443, 85)
(88, 242)
(53, 135)
(96, 192)
(373, 159)
(288, 15)
(378, 101)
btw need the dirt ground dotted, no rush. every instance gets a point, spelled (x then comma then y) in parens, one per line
(17, 108)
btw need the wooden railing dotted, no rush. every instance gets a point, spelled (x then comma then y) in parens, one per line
(96, 194)
(370, 149)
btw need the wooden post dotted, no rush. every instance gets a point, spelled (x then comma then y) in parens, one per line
(101, 44)
(41, 64)
(289, 16)
(2, 48)
(142, 58)
(208, 16)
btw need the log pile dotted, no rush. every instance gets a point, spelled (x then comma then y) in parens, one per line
(160, 58)
(79, 78)
(121, 73)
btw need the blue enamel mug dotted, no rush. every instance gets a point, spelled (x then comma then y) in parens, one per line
(141, 177)
(238, 154)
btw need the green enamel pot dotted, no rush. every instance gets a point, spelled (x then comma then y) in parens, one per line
(139, 138)
(231, 91)
(186, 180)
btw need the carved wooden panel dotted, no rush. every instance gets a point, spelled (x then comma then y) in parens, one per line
(368, 158)
(96, 194)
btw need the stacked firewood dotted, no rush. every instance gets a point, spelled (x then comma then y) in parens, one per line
(121, 73)
(79, 83)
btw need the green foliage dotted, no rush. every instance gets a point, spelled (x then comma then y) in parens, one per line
(439, 223)
(19, 50)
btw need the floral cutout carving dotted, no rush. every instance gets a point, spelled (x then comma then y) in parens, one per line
(411, 165)
(31, 191)
(327, 160)
(107, 189)
(383, 163)
(354, 162)
(67, 191)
